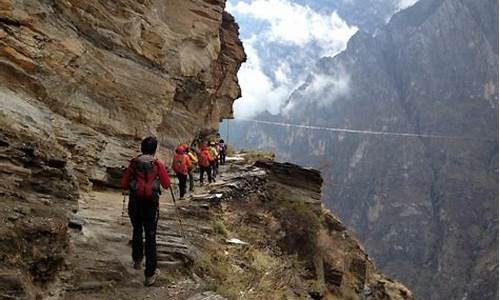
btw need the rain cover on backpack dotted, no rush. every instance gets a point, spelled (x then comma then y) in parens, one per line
(146, 180)
(179, 164)
(204, 159)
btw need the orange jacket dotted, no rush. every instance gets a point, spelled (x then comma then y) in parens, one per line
(181, 162)
(204, 154)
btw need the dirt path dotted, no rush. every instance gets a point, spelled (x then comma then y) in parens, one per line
(100, 266)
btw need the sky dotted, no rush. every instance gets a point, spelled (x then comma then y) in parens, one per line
(283, 40)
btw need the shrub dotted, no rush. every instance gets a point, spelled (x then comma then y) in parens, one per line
(301, 226)
(219, 228)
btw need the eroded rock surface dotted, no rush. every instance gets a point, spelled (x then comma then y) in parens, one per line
(80, 83)
(239, 238)
(426, 208)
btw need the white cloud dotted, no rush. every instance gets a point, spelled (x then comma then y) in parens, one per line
(402, 4)
(326, 89)
(259, 93)
(311, 35)
(299, 25)
(322, 89)
(281, 73)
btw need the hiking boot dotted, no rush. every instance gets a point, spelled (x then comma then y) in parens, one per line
(149, 281)
(138, 264)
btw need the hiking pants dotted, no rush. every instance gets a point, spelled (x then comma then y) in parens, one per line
(191, 180)
(144, 216)
(222, 157)
(207, 170)
(213, 167)
(182, 183)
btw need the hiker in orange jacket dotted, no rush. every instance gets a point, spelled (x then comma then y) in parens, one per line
(205, 161)
(181, 164)
(143, 178)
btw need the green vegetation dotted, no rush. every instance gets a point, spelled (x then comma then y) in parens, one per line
(301, 225)
(219, 227)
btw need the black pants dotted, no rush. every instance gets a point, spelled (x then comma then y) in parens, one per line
(222, 157)
(207, 170)
(191, 180)
(182, 183)
(213, 166)
(144, 216)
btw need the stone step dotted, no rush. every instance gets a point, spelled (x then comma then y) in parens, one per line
(169, 239)
(209, 295)
(170, 266)
(161, 243)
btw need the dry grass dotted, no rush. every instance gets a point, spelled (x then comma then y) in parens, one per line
(230, 151)
(249, 273)
(251, 156)
(301, 225)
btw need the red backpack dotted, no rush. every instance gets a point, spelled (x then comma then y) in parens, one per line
(146, 180)
(204, 159)
(179, 164)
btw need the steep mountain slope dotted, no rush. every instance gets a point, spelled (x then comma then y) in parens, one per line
(426, 207)
(236, 242)
(80, 83)
(366, 15)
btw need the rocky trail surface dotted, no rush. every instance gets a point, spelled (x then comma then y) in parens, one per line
(78, 80)
(230, 245)
(102, 253)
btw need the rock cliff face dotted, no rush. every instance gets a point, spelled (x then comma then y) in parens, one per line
(427, 208)
(80, 83)
(259, 232)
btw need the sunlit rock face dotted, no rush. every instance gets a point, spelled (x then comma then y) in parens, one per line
(427, 209)
(89, 77)
(81, 82)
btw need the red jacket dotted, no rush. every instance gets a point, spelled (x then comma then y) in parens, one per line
(162, 173)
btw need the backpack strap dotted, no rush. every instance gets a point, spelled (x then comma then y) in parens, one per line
(133, 163)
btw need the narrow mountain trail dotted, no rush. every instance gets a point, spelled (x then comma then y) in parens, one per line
(100, 264)
(246, 236)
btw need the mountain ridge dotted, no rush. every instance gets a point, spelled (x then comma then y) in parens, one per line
(436, 75)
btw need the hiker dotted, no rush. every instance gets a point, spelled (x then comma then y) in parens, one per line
(143, 178)
(181, 164)
(215, 162)
(193, 157)
(222, 151)
(204, 161)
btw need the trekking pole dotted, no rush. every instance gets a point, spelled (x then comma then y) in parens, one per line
(177, 212)
(124, 199)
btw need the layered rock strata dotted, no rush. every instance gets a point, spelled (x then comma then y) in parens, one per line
(80, 83)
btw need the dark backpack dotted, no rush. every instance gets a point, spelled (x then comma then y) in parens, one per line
(146, 180)
(222, 148)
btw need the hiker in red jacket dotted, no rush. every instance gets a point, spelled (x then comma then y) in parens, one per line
(204, 161)
(143, 178)
(181, 164)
